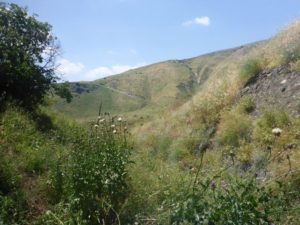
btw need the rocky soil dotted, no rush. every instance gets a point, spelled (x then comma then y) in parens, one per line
(278, 87)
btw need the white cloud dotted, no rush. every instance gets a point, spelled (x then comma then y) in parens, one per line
(202, 21)
(104, 71)
(68, 68)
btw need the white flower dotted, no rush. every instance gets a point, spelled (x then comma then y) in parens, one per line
(276, 131)
(114, 131)
(96, 126)
(101, 121)
(113, 126)
(120, 119)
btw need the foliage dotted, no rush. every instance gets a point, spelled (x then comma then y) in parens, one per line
(246, 105)
(296, 66)
(27, 53)
(62, 90)
(234, 128)
(269, 119)
(238, 201)
(94, 180)
(250, 69)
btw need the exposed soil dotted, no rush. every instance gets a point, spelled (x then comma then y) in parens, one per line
(278, 87)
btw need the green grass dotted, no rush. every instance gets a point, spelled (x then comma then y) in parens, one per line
(201, 154)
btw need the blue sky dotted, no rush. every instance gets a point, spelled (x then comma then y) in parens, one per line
(104, 37)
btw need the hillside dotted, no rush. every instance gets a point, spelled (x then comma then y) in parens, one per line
(208, 140)
(148, 89)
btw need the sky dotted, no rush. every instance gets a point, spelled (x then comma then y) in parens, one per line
(105, 37)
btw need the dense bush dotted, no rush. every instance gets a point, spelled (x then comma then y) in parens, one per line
(27, 53)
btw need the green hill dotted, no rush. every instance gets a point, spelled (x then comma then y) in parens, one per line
(208, 140)
(148, 89)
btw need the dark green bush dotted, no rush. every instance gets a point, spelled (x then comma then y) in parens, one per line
(27, 54)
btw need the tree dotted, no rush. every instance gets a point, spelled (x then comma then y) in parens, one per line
(27, 57)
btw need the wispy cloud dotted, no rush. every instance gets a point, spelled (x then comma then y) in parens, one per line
(68, 68)
(202, 21)
(105, 71)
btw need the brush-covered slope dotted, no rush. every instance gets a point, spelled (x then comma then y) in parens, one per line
(148, 89)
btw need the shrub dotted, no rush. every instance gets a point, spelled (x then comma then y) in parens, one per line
(296, 66)
(234, 202)
(246, 105)
(267, 121)
(234, 128)
(9, 179)
(97, 172)
(250, 69)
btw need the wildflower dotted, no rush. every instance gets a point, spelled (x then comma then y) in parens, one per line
(113, 126)
(120, 119)
(114, 131)
(102, 120)
(96, 126)
(125, 128)
(213, 184)
(276, 131)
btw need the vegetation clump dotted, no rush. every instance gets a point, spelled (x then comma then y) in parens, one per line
(27, 53)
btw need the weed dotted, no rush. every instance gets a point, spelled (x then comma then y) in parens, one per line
(250, 69)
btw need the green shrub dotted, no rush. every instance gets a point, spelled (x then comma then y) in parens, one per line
(268, 120)
(247, 105)
(250, 69)
(234, 202)
(98, 171)
(234, 128)
(13, 208)
(9, 178)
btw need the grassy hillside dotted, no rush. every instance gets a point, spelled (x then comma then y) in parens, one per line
(147, 90)
(207, 144)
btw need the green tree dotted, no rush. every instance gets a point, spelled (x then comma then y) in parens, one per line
(27, 58)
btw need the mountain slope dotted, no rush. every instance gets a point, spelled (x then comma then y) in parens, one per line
(148, 89)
